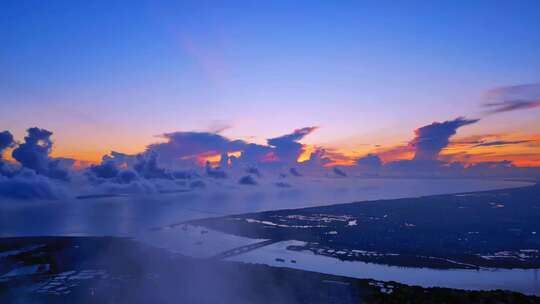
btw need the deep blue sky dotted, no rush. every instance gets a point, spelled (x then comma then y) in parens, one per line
(121, 72)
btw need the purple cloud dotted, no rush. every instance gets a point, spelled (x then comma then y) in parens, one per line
(34, 154)
(287, 147)
(431, 139)
(502, 143)
(512, 98)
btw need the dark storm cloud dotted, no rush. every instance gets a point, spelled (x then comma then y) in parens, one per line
(34, 154)
(320, 157)
(431, 139)
(287, 148)
(184, 144)
(512, 98)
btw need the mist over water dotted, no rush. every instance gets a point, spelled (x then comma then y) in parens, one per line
(134, 215)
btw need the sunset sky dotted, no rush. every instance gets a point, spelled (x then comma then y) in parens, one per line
(115, 75)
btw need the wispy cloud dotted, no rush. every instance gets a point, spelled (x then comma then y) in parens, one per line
(512, 98)
(502, 143)
(511, 105)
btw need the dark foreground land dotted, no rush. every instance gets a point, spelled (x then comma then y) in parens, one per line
(483, 229)
(115, 270)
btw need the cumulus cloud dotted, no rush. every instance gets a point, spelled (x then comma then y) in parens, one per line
(512, 98)
(251, 164)
(127, 176)
(107, 169)
(254, 154)
(185, 148)
(120, 159)
(34, 154)
(6, 141)
(370, 161)
(287, 147)
(32, 180)
(431, 139)
(120, 168)
(215, 172)
(426, 160)
(181, 145)
(147, 166)
(427, 144)
(321, 157)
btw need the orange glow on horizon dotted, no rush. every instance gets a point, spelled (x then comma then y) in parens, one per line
(212, 157)
(520, 155)
(468, 150)
(306, 153)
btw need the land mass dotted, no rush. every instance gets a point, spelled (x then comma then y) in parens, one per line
(496, 229)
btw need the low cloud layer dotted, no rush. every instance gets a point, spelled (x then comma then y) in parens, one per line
(37, 176)
(27, 184)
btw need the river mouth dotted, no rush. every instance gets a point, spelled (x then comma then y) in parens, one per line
(526, 281)
(204, 243)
